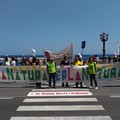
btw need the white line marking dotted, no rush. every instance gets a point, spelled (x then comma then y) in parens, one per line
(5, 98)
(115, 95)
(60, 108)
(61, 100)
(64, 118)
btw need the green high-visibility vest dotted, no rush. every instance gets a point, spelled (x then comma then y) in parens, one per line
(91, 68)
(51, 67)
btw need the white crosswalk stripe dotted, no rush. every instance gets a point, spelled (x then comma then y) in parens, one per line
(64, 118)
(61, 105)
(60, 108)
(60, 100)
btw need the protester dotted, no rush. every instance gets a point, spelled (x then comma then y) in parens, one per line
(1, 62)
(51, 70)
(85, 62)
(13, 63)
(110, 60)
(92, 72)
(27, 63)
(39, 62)
(30, 61)
(7, 61)
(23, 61)
(63, 63)
(96, 58)
(34, 60)
(78, 62)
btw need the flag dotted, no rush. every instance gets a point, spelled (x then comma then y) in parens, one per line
(33, 51)
(80, 55)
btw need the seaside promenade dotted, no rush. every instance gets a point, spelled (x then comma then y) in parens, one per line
(21, 100)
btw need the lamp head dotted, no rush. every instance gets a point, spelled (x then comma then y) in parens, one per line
(104, 37)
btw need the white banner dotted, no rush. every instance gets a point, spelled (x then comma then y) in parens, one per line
(64, 74)
(68, 51)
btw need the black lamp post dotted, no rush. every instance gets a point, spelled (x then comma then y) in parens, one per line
(104, 38)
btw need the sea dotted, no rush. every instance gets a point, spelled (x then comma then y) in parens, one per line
(42, 56)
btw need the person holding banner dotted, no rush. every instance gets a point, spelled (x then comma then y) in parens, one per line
(7, 61)
(92, 71)
(78, 62)
(51, 70)
(63, 63)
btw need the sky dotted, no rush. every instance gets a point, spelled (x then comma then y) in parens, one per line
(54, 24)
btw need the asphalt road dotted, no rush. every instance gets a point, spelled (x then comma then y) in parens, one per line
(107, 106)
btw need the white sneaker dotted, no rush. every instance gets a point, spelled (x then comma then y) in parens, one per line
(91, 87)
(96, 88)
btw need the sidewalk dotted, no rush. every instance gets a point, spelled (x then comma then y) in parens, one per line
(13, 84)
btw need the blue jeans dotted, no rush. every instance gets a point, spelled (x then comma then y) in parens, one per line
(52, 76)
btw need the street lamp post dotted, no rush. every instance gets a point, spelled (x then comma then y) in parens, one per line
(104, 38)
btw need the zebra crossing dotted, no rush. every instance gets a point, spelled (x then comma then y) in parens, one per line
(63, 104)
(63, 118)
